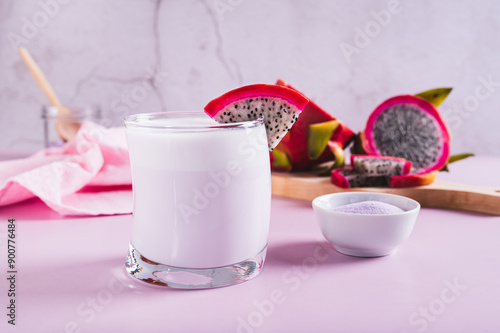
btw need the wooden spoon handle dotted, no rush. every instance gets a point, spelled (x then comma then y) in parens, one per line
(41, 79)
(65, 130)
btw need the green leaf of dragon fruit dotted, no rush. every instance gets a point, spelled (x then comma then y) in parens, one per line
(280, 161)
(454, 158)
(435, 96)
(319, 135)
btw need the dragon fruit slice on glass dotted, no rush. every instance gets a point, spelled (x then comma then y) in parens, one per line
(301, 152)
(368, 170)
(279, 106)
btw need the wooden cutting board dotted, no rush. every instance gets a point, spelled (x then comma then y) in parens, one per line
(439, 194)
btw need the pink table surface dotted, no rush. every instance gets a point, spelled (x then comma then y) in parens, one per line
(444, 278)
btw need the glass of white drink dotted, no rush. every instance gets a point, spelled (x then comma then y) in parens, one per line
(202, 196)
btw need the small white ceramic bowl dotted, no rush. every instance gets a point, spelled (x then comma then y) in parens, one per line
(363, 235)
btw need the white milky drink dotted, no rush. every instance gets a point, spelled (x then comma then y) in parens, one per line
(202, 190)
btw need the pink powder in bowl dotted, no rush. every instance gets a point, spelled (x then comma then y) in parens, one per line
(369, 208)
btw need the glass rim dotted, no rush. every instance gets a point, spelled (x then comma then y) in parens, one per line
(75, 110)
(134, 121)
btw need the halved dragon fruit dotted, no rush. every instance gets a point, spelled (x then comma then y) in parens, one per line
(410, 127)
(279, 106)
(368, 170)
(315, 138)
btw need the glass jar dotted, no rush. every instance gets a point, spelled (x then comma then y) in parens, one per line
(59, 127)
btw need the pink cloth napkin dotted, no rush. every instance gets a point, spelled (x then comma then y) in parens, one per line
(89, 175)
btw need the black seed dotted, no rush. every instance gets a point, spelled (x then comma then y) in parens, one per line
(274, 103)
(236, 106)
(277, 137)
(266, 99)
(225, 113)
(250, 100)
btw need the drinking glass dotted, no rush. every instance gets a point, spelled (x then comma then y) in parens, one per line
(202, 196)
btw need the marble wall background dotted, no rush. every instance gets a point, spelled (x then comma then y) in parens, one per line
(133, 56)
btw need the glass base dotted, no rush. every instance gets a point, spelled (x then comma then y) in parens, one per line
(158, 274)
